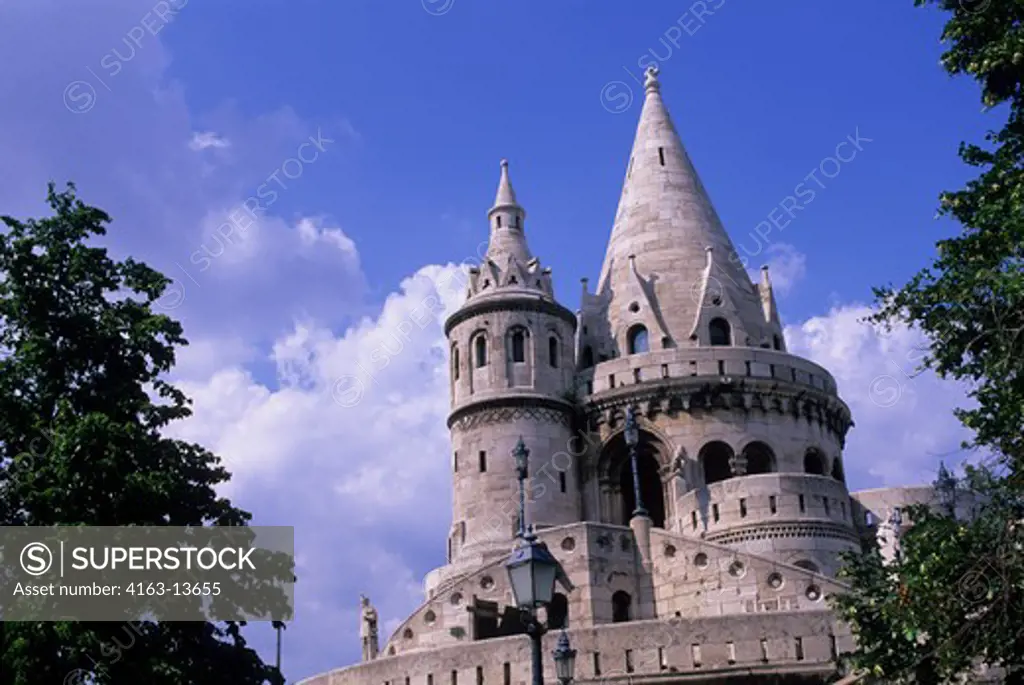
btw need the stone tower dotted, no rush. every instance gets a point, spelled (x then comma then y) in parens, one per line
(512, 369)
(738, 451)
(742, 441)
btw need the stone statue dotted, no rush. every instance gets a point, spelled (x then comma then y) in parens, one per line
(368, 628)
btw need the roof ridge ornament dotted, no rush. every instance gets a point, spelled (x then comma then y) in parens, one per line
(651, 79)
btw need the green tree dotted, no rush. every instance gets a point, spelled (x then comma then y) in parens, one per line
(82, 407)
(970, 300)
(953, 600)
(954, 597)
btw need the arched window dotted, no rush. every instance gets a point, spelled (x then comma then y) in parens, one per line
(519, 346)
(715, 459)
(777, 341)
(553, 352)
(720, 331)
(760, 458)
(814, 462)
(480, 349)
(637, 340)
(587, 357)
(558, 612)
(455, 362)
(837, 470)
(621, 605)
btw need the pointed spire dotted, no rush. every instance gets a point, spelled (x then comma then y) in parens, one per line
(507, 218)
(506, 195)
(665, 218)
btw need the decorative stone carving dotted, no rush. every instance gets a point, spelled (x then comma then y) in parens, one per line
(509, 414)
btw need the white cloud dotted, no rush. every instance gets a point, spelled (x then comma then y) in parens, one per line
(351, 446)
(904, 422)
(207, 139)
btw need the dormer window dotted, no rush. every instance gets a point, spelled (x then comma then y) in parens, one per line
(720, 332)
(638, 341)
(513, 280)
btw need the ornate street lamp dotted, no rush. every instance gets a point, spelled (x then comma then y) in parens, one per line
(565, 660)
(532, 571)
(632, 435)
(945, 488)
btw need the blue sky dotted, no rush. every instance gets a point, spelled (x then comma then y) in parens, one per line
(412, 104)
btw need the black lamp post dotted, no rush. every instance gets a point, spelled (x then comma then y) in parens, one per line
(565, 660)
(532, 571)
(945, 487)
(632, 435)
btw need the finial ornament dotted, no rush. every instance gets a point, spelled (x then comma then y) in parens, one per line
(651, 78)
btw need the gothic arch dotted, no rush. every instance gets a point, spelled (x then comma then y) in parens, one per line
(638, 339)
(615, 476)
(760, 457)
(814, 462)
(720, 332)
(715, 460)
(480, 346)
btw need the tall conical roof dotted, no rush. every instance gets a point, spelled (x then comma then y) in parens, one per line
(507, 219)
(670, 264)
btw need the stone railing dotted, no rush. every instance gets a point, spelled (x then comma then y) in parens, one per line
(699, 650)
(733, 362)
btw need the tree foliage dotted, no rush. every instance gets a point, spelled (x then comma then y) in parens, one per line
(970, 300)
(82, 407)
(953, 600)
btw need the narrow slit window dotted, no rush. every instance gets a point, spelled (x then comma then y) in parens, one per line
(629, 661)
(553, 352)
(597, 664)
(518, 346)
(561, 480)
(772, 505)
(483, 461)
(743, 507)
(803, 507)
(799, 648)
(693, 519)
(661, 155)
(714, 512)
(480, 348)
(507, 673)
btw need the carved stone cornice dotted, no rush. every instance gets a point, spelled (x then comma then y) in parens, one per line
(712, 393)
(514, 301)
(512, 408)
